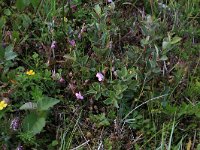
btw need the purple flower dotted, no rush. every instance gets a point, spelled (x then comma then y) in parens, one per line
(79, 96)
(19, 147)
(3, 45)
(53, 44)
(72, 42)
(15, 124)
(62, 80)
(100, 76)
(79, 35)
(110, 1)
(73, 7)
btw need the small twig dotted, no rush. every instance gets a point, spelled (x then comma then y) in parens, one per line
(81, 145)
(173, 67)
(138, 107)
(100, 140)
(165, 66)
(142, 87)
(84, 136)
(188, 100)
(194, 139)
(143, 104)
(137, 139)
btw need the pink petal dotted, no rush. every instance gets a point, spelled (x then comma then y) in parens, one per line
(100, 76)
(79, 96)
(53, 44)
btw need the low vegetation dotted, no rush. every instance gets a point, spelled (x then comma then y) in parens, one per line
(106, 74)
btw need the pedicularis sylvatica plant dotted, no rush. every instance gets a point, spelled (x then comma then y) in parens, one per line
(107, 74)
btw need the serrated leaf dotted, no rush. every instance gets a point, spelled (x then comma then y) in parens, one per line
(113, 101)
(28, 105)
(33, 123)
(7, 12)
(47, 102)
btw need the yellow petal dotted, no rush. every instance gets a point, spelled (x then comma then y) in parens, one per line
(189, 144)
(4, 105)
(1, 108)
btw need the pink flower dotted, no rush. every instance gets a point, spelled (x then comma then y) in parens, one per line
(62, 80)
(79, 96)
(100, 76)
(19, 147)
(79, 35)
(53, 44)
(72, 42)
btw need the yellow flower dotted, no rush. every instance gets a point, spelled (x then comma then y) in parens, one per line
(30, 73)
(3, 104)
(65, 19)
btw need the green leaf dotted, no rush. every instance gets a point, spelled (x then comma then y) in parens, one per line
(113, 101)
(33, 123)
(163, 58)
(28, 105)
(122, 73)
(9, 54)
(26, 20)
(165, 45)
(47, 102)
(2, 22)
(7, 12)
(112, 5)
(108, 101)
(97, 9)
(175, 40)
(119, 88)
(100, 120)
(15, 35)
(35, 3)
(54, 143)
(21, 4)
(2, 52)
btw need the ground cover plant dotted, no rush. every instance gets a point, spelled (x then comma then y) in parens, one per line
(100, 74)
